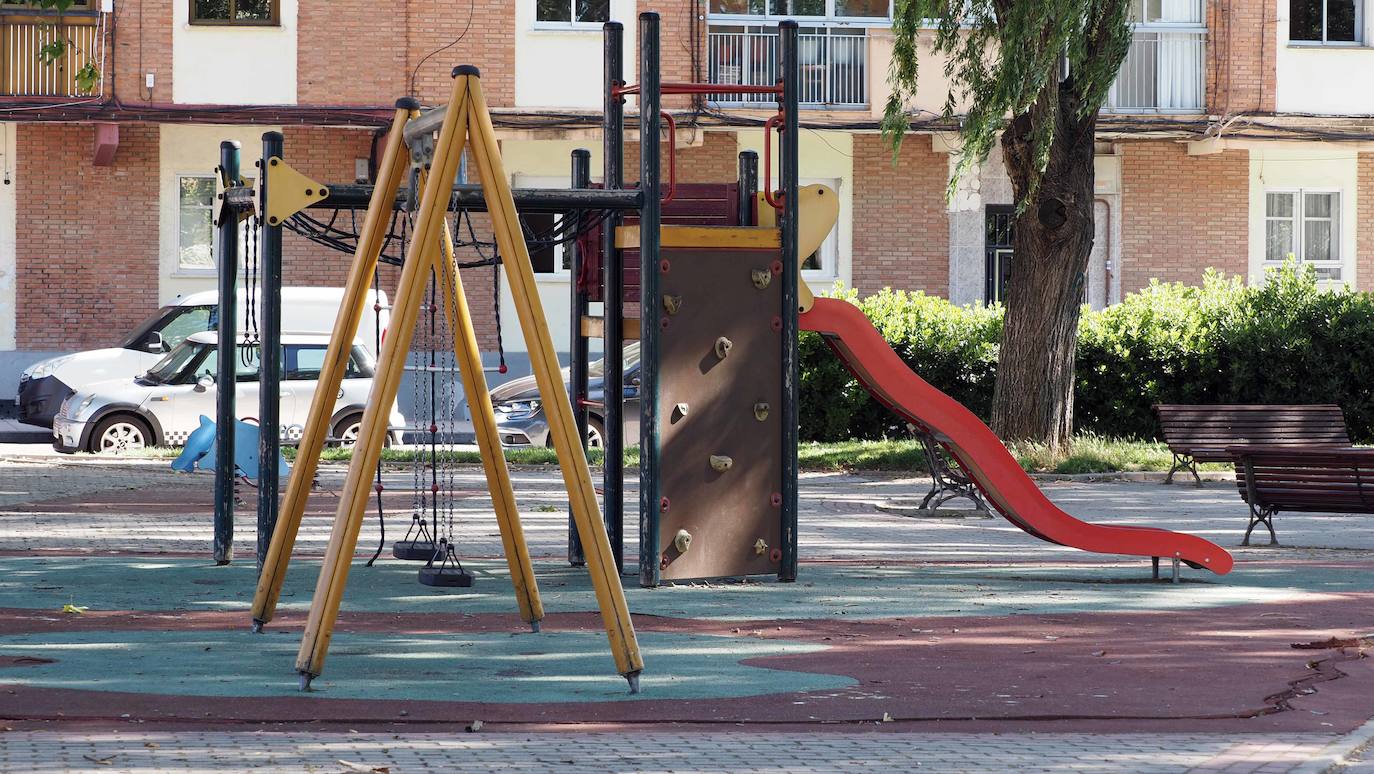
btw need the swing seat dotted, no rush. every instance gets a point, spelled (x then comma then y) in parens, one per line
(414, 550)
(447, 576)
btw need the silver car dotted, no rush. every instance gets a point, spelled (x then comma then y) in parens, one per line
(520, 415)
(163, 406)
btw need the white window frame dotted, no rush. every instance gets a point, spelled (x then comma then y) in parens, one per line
(828, 19)
(1299, 220)
(194, 271)
(1358, 42)
(565, 26)
(191, 271)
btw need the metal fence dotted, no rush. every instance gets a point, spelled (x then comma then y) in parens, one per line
(1163, 72)
(834, 66)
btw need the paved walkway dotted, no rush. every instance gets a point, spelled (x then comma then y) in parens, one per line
(666, 752)
(870, 577)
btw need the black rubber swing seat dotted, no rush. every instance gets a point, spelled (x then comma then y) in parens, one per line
(415, 550)
(446, 576)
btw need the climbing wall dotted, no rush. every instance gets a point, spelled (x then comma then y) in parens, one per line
(721, 434)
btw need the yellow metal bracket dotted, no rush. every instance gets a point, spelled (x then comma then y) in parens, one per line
(289, 192)
(818, 209)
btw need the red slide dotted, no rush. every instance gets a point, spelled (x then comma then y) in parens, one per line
(981, 454)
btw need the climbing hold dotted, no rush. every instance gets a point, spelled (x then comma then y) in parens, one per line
(762, 278)
(723, 346)
(720, 463)
(761, 411)
(760, 546)
(682, 541)
(681, 409)
(672, 304)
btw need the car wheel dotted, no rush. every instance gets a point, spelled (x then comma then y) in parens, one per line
(346, 432)
(120, 434)
(596, 433)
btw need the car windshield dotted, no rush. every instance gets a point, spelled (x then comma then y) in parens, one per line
(598, 368)
(173, 324)
(175, 362)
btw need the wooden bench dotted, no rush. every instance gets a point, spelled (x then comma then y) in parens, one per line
(1285, 478)
(1202, 433)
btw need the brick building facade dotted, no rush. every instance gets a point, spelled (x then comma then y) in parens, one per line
(1214, 128)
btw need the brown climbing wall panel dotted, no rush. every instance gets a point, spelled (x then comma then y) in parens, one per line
(721, 437)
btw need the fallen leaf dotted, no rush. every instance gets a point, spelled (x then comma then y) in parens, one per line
(99, 761)
(74, 609)
(474, 726)
(1099, 653)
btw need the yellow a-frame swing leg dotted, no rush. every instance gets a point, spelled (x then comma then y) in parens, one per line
(395, 161)
(572, 459)
(465, 111)
(488, 441)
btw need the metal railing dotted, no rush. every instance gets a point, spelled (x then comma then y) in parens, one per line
(23, 73)
(1162, 73)
(834, 67)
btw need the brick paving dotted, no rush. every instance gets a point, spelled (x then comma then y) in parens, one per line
(678, 751)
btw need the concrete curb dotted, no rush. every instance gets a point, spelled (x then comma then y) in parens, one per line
(1334, 757)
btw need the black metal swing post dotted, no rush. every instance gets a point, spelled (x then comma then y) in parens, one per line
(613, 296)
(650, 219)
(270, 359)
(788, 171)
(578, 350)
(226, 370)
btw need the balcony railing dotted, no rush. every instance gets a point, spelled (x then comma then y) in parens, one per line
(834, 67)
(23, 73)
(1162, 73)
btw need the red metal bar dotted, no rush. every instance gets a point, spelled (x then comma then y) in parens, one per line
(767, 176)
(701, 88)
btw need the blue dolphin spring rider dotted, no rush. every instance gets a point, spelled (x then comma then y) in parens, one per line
(199, 451)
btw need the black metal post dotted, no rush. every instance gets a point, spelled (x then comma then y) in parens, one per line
(748, 186)
(269, 373)
(791, 271)
(613, 297)
(227, 255)
(577, 346)
(651, 505)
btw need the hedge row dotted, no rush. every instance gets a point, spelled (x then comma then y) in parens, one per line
(1284, 341)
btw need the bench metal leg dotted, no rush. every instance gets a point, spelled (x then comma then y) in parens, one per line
(1175, 569)
(1261, 515)
(1154, 561)
(947, 480)
(1183, 462)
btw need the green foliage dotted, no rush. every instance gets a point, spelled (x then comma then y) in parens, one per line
(953, 347)
(88, 75)
(1286, 341)
(1002, 59)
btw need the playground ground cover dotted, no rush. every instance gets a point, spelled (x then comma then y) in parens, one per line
(960, 642)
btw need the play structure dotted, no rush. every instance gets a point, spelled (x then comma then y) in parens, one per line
(715, 273)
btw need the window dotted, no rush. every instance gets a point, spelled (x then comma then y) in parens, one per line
(862, 10)
(196, 223)
(572, 11)
(1332, 22)
(259, 13)
(999, 224)
(1305, 225)
(245, 365)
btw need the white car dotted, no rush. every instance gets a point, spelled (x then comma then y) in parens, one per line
(44, 385)
(163, 406)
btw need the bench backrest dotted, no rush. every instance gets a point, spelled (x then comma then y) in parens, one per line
(1338, 481)
(1204, 431)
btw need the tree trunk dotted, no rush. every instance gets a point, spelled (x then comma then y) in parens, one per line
(1033, 397)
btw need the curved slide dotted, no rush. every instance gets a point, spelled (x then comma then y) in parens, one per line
(981, 453)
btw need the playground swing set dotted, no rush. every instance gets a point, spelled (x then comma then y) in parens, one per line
(722, 304)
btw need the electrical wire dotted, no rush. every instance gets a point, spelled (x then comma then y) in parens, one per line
(472, 11)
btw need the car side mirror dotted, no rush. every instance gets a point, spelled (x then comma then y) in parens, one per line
(155, 343)
(205, 382)
(634, 380)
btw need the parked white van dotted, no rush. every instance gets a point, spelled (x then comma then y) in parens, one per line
(163, 406)
(44, 385)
